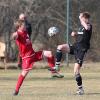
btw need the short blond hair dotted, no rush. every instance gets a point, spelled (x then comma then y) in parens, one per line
(18, 23)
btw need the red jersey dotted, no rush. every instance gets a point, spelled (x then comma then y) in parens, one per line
(24, 44)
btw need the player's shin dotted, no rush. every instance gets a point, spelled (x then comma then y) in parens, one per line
(58, 58)
(78, 78)
(20, 81)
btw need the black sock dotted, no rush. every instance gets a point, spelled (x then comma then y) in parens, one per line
(58, 57)
(79, 80)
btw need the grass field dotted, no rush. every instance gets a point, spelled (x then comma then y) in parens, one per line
(40, 86)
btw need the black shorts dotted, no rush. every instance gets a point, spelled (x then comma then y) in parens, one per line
(79, 53)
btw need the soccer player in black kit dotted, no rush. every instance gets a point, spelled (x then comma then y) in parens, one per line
(78, 49)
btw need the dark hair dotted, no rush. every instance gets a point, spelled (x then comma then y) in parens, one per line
(86, 15)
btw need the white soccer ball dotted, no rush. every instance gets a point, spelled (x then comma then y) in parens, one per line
(53, 31)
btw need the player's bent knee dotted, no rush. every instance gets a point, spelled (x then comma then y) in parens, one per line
(60, 47)
(47, 53)
(24, 73)
(63, 47)
(76, 69)
(76, 73)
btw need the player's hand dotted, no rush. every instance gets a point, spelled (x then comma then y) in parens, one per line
(86, 25)
(28, 41)
(73, 34)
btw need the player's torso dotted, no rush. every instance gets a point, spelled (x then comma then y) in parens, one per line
(83, 37)
(24, 44)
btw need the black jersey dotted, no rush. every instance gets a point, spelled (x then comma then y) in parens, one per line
(28, 28)
(83, 37)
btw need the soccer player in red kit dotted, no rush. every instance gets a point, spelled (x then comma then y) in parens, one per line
(29, 56)
(23, 17)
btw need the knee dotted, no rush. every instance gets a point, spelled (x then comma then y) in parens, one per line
(60, 47)
(76, 69)
(63, 47)
(76, 72)
(24, 73)
(50, 54)
(47, 53)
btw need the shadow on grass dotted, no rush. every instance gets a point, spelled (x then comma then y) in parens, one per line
(85, 94)
(92, 93)
(35, 78)
(44, 78)
(93, 77)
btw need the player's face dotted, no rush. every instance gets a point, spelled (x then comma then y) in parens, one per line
(82, 18)
(86, 20)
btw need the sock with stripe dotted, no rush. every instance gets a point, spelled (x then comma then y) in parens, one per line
(58, 57)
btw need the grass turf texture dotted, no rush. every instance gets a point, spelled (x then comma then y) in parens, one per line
(38, 85)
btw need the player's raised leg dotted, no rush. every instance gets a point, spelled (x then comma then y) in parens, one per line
(60, 49)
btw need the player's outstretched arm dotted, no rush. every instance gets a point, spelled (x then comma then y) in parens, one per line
(14, 36)
(84, 22)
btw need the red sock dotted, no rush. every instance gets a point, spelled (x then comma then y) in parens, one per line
(19, 82)
(51, 62)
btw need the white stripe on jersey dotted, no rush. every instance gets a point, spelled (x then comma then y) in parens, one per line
(80, 32)
(28, 56)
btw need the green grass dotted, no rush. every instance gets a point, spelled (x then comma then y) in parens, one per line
(40, 86)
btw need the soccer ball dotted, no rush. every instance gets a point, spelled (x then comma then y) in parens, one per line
(53, 31)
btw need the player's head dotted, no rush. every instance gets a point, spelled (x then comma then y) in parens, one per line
(22, 16)
(20, 25)
(85, 16)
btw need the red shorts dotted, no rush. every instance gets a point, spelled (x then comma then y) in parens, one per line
(28, 62)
